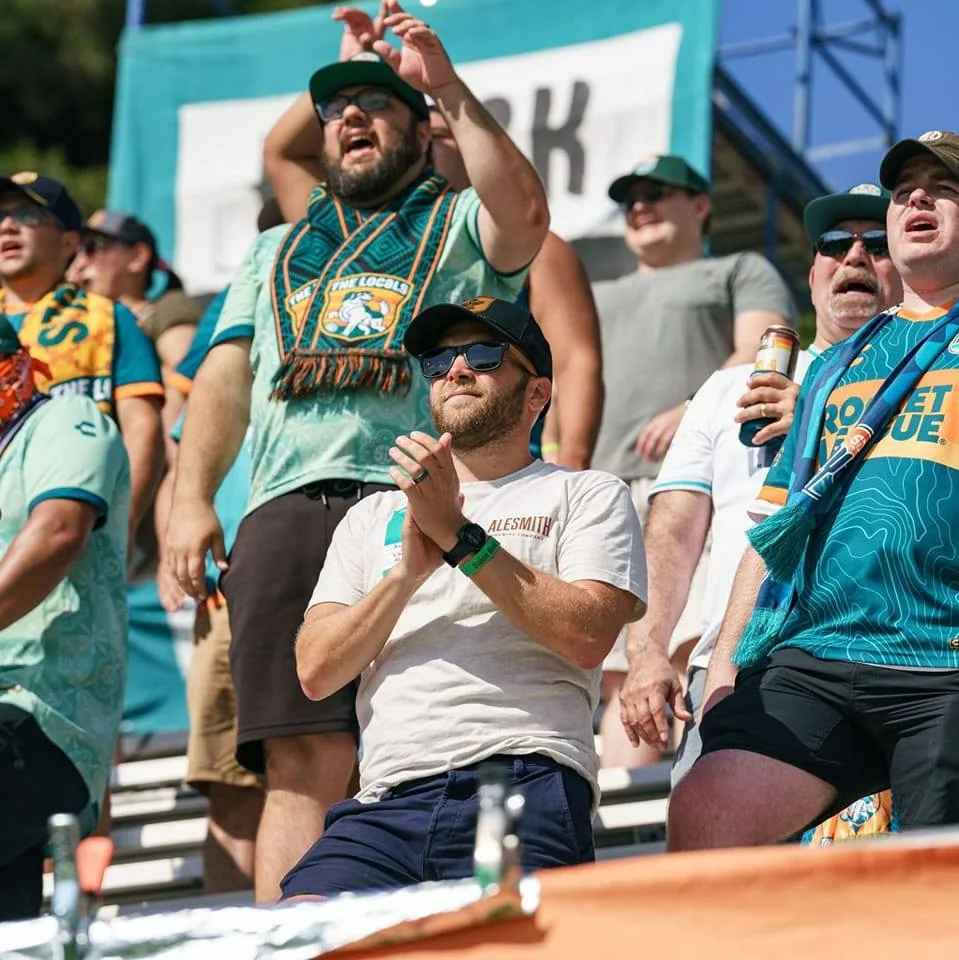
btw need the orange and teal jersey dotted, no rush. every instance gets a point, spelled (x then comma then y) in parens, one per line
(880, 579)
(96, 350)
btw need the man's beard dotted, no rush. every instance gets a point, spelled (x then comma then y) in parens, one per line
(483, 424)
(372, 182)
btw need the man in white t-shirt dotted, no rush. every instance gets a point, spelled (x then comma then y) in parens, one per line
(709, 479)
(476, 603)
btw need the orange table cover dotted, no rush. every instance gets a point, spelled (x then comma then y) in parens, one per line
(862, 899)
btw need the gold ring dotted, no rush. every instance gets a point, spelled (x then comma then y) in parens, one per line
(762, 411)
(421, 476)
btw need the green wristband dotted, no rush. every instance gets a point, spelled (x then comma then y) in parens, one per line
(481, 557)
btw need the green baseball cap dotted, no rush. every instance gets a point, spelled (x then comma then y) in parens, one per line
(666, 168)
(365, 69)
(941, 144)
(9, 341)
(864, 201)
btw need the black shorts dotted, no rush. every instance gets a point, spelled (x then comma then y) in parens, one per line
(858, 727)
(37, 779)
(276, 559)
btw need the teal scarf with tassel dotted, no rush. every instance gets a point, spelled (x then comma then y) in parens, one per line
(346, 284)
(782, 539)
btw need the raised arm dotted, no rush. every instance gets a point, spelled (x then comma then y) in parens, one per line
(514, 217)
(571, 325)
(291, 157)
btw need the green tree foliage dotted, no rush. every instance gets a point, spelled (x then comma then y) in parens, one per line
(57, 81)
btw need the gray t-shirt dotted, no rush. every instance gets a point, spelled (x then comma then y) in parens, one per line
(664, 332)
(457, 682)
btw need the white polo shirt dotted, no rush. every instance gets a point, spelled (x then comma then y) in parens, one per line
(706, 456)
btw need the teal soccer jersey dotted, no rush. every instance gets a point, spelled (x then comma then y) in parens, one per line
(345, 434)
(64, 662)
(880, 583)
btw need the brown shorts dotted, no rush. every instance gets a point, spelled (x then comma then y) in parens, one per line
(211, 702)
(275, 561)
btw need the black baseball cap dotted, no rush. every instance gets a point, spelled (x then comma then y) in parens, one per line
(365, 69)
(509, 321)
(667, 168)
(941, 144)
(48, 193)
(864, 201)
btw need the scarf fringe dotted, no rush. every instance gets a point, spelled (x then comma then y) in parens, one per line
(759, 637)
(781, 539)
(306, 372)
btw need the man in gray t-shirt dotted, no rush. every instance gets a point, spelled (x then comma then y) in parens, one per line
(666, 327)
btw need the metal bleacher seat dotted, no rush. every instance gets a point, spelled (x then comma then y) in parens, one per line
(159, 824)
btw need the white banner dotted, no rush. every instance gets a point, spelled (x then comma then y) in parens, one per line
(583, 114)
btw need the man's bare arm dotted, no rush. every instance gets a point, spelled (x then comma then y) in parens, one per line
(41, 555)
(140, 422)
(291, 157)
(721, 675)
(571, 326)
(675, 536)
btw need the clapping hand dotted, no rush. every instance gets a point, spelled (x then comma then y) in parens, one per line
(360, 30)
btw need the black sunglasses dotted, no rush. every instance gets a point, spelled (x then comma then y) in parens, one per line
(650, 192)
(837, 243)
(370, 100)
(97, 243)
(480, 357)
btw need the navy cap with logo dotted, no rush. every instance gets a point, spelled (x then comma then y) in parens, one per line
(48, 193)
(864, 201)
(365, 69)
(667, 168)
(941, 144)
(508, 321)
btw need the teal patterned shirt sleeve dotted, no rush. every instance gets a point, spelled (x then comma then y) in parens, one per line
(75, 453)
(135, 361)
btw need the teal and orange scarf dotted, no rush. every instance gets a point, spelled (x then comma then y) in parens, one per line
(783, 539)
(346, 285)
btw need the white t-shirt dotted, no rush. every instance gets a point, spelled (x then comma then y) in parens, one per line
(706, 456)
(457, 682)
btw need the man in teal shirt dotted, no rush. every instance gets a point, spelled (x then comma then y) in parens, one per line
(308, 351)
(64, 514)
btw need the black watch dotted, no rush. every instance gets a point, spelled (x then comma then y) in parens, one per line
(470, 538)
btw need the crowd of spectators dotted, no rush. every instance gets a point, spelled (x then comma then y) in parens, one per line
(436, 506)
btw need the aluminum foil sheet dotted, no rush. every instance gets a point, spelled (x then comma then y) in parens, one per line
(295, 931)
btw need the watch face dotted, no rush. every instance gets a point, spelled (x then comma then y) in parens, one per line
(473, 535)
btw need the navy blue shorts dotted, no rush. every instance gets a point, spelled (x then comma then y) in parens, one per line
(424, 830)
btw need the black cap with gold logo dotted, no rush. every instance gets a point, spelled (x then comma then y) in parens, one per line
(509, 321)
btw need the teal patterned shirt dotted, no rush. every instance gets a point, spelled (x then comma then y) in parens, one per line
(65, 661)
(880, 584)
(344, 435)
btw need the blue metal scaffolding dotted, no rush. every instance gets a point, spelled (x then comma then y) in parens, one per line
(812, 39)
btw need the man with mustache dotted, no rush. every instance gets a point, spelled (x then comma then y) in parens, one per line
(477, 603)
(709, 479)
(836, 671)
(383, 238)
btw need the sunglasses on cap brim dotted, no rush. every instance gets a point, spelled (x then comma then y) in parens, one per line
(837, 243)
(480, 358)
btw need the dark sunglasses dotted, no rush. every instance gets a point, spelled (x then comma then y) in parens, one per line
(29, 216)
(480, 358)
(650, 192)
(837, 243)
(369, 101)
(97, 243)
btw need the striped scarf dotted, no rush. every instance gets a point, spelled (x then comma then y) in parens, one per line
(782, 540)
